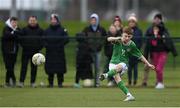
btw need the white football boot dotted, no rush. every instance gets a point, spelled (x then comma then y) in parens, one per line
(129, 98)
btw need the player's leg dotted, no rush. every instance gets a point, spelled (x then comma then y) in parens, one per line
(122, 86)
(112, 71)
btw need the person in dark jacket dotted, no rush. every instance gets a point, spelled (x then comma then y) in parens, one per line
(108, 49)
(158, 20)
(118, 24)
(31, 43)
(10, 49)
(56, 37)
(137, 38)
(83, 60)
(94, 30)
(158, 46)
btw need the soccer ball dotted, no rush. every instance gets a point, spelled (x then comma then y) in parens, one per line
(38, 59)
(87, 83)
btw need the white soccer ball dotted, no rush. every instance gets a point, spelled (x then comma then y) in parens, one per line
(87, 83)
(38, 59)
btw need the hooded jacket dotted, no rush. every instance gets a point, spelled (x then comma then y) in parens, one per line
(94, 35)
(10, 38)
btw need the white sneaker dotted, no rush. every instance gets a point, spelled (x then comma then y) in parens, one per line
(129, 98)
(33, 85)
(21, 84)
(159, 86)
(110, 84)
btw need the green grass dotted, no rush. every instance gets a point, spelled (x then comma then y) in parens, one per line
(87, 97)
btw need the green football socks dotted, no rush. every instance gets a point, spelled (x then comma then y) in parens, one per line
(123, 87)
(111, 73)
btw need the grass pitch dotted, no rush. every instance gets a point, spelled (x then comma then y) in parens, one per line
(87, 97)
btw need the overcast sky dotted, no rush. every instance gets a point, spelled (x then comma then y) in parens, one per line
(24, 4)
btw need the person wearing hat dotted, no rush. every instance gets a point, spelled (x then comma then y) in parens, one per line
(159, 48)
(137, 38)
(56, 37)
(157, 20)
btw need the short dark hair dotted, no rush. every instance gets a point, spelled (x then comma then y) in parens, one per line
(128, 30)
(13, 19)
(33, 16)
(159, 16)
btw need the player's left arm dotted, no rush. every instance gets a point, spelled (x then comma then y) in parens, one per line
(143, 59)
(136, 52)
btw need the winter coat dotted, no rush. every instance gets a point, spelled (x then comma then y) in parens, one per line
(31, 40)
(55, 39)
(161, 43)
(95, 39)
(10, 40)
(108, 46)
(137, 37)
(83, 58)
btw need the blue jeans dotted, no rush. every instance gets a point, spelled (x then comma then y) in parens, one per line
(96, 60)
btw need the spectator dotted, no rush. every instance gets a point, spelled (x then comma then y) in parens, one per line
(83, 61)
(31, 44)
(158, 20)
(108, 49)
(56, 37)
(118, 24)
(137, 38)
(158, 45)
(94, 33)
(10, 49)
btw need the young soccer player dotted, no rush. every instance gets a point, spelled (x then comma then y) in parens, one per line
(122, 49)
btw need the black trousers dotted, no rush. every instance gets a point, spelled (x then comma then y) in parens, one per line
(133, 69)
(9, 61)
(60, 78)
(26, 57)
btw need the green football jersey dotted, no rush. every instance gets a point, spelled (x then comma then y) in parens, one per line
(122, 52)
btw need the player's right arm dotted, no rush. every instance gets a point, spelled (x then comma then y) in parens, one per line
(114, 39)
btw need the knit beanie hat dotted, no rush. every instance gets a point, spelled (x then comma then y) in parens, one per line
(132, 17)
(117, 18)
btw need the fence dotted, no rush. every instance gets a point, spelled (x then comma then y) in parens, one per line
(171, 76)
